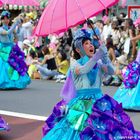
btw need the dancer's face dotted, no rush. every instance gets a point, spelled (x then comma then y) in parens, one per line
(6, 20)
(88, 48)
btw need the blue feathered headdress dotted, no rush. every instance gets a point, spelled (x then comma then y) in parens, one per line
(5, 14)
(81, 33)
(78, 38)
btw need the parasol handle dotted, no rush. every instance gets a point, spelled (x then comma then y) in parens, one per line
(93, 30)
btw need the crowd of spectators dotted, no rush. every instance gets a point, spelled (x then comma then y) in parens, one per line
(49, 57)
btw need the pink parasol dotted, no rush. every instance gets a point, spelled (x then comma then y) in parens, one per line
(59, 15)
(21, 2)
(1, 4)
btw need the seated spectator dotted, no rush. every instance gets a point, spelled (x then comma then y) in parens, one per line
(115, 79)
(111, 49)
(27, 46)
(115, 33)
(32, 70)
(62, 66)
(47, 67)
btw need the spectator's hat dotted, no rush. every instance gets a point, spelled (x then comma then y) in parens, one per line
(27, 43)
(94, 19)
(114, 19)
(30, 15)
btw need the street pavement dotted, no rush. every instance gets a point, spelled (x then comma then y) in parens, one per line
(22, 129)
(36, 101)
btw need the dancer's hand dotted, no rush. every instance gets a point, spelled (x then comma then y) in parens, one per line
(105, 69)
(77, 71)
(102, 46)
(101, 42)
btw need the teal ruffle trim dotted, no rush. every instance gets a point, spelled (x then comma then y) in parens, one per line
(62, 131)
(130, 98)
(82, 94)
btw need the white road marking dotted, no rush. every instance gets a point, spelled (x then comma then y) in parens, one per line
(22, 115)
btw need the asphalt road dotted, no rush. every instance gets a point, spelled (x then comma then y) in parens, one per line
(22, 129)
(37, 99)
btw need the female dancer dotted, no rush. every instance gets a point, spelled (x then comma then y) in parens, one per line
(13, 68)
(85, 113)
(129, 92)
